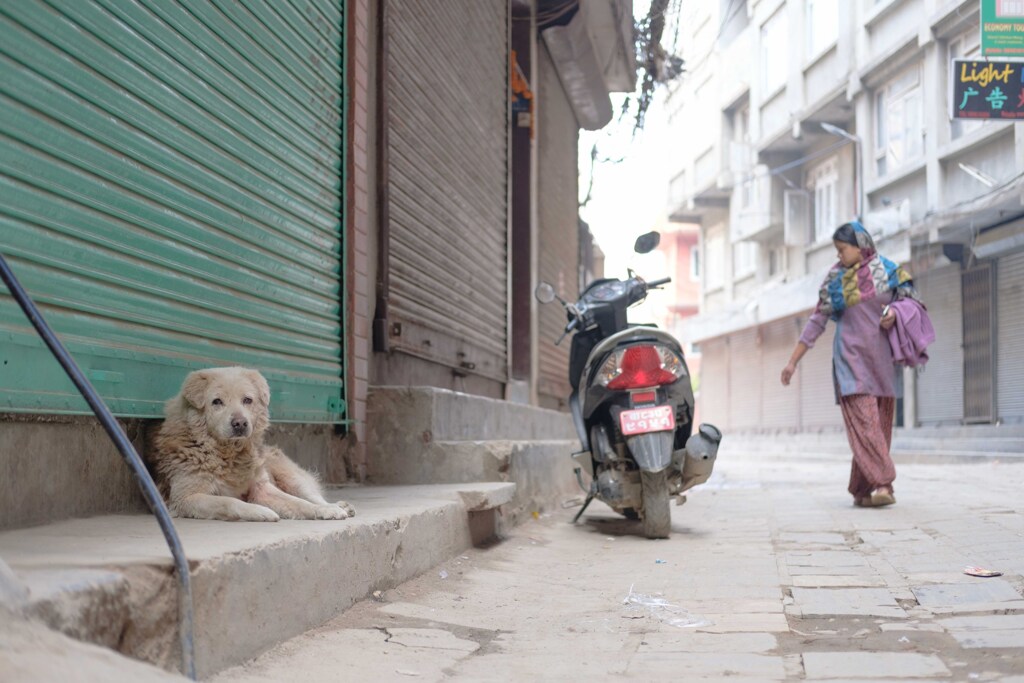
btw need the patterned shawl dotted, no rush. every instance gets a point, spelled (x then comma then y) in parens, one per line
(873, 277)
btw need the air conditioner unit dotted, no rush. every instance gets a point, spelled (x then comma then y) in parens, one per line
(796, 208)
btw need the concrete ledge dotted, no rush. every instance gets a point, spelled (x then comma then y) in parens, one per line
(108, 580)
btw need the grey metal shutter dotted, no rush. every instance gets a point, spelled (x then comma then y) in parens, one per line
(558, 213)
(170, 185)
(1010, 340)
(979, 344)
(447, 167)
(713, 394)
(744, 372)
(780, 406)
(940, 386)
(818, 407)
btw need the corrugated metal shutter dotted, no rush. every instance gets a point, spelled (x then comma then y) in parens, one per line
(1010, 344)
(979, 352)
(713, 395)
(818, 408)
(170, 183)
(447, 167)
(744, 372)
(940, 386)
(780, 406)
(558, 211)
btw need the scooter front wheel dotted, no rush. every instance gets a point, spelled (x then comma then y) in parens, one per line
(657, 510)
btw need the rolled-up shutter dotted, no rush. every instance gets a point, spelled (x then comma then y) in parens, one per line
(940, 385)
(818, 408)
(780, 406)
(713, 394)
(170, 195)
(744, 374)
(446, 162)
(1010, 344)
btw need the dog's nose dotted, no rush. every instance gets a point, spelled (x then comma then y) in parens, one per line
(239, 425)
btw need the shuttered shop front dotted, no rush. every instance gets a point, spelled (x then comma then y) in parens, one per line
(940, 385)
(713, 395)
(780, 405)
(1010, 340)
(818, 408)
(744, 375)
(170, 179)
(446, 164)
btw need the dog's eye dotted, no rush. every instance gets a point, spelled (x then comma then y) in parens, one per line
(246, 400)
(218, 402)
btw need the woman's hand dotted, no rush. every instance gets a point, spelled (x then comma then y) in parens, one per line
(787, 373)
(889, 319)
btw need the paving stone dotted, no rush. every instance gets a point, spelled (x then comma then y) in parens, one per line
(691, 665)
(813, 538)
(832, 601)
(838, 581)
(735, 623)
(825, 558)
(872, 665)
(995, 631)
(692, 641)
(954, 594)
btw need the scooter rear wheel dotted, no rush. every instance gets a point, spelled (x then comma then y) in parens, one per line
(657, 510)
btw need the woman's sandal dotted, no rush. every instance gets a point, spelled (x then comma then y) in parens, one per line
(883, 495)
(880, 497)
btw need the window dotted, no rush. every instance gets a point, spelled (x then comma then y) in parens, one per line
(694, 264)
(899, 134)
(744, 259)
(714, 260)
(774, 49)
(824, 181)
(776, 261)
(822, 25)
(966, 45)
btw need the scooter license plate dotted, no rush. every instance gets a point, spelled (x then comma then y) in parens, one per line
(643, 420)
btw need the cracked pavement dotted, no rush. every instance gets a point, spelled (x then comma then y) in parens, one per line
(770, 574)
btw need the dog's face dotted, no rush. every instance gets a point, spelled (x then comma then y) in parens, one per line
(233, 403)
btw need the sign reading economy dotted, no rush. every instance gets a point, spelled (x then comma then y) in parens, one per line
(1002, 28)
(987, 89)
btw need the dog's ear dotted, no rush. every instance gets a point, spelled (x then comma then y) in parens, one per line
(262, 388)
(194, 388)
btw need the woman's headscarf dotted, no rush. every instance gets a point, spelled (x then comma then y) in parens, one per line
(873, 277)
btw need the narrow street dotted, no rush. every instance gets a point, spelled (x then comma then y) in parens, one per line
(770, 574)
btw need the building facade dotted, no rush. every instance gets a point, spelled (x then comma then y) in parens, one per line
(845, 112)
(340, 194)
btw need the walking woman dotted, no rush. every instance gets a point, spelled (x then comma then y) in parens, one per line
(856, 294)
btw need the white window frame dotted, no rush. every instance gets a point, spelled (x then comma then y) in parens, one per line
(823, 181)
(822, 23)
(774, 55)
(966, 45)
(714, 262)
(899, 122)
(694, 264)
(744, 259)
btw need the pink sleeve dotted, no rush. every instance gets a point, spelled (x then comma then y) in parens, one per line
(813, 329)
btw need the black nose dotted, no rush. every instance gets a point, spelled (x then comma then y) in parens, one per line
(239, 425)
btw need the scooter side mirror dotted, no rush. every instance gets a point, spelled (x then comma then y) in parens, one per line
(647, 242)
(545, 293)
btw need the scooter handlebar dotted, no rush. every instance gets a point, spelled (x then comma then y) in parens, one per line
(658, 283)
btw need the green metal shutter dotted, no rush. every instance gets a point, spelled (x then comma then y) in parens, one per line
(170, 184)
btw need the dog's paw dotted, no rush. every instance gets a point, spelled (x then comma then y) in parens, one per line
(259, 513)
(331, 512)
(347, 508)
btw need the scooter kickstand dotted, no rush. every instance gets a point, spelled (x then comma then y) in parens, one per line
(590, 497)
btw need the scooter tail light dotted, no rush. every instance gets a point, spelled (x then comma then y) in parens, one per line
(640, 367)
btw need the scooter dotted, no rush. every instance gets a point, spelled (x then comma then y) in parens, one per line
(631, 403)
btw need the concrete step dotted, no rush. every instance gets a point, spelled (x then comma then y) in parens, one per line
(108, 580)
(424, 435)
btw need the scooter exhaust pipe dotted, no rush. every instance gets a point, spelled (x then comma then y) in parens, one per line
(701, 452)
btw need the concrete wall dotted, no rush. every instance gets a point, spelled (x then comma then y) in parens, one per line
(54, 468)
